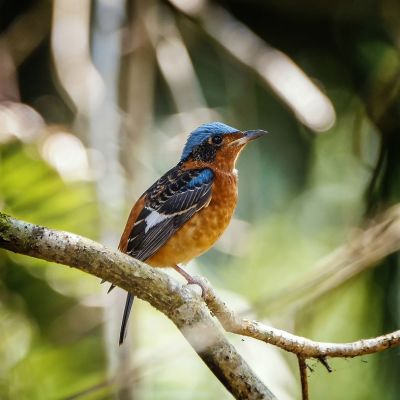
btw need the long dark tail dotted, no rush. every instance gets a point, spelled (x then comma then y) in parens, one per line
(127, 310)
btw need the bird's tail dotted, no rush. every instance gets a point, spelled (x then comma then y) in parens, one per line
(127, 310)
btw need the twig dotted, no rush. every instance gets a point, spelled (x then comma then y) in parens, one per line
(303, 377)
(325, 363)
(292, 343)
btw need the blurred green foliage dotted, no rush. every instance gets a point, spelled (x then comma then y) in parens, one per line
(301, 195)
(35, 299)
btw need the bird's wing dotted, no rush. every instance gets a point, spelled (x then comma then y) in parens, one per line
(168, 204)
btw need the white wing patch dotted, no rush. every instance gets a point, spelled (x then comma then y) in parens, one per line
(153, 219)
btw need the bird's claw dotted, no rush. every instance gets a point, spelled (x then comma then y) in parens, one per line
(199, 282)
(193, 280)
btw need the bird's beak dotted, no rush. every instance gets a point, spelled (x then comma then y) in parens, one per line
(248, 136)
(252, 135)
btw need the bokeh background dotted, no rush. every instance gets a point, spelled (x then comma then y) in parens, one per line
(96, 100)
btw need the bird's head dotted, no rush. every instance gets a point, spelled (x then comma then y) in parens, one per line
(217, 144)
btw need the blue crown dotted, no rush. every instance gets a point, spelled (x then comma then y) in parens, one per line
(202, 133)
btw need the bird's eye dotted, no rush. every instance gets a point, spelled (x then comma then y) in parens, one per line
(217, 139)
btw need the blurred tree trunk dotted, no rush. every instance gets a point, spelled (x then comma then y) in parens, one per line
(104, 130)
(136, 91)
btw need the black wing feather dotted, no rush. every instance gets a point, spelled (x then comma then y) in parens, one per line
(177, 196)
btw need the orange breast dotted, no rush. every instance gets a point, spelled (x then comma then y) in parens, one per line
(204, 228)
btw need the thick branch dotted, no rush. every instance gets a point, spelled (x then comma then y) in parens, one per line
(180, 304)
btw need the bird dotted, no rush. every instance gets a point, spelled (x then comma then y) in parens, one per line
(187, 209)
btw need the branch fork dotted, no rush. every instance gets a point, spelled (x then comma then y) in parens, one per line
(193, 316)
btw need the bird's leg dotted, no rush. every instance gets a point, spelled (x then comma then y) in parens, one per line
(190, 280)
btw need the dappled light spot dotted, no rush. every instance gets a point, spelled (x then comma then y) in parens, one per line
(308, 102)
(67, 155)
(20, 121)
(13, 347)
(74, 67)
(191, 7)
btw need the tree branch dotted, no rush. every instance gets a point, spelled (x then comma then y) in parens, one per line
(303, 377)
(179, 303)
(185, 308)
(298, 345)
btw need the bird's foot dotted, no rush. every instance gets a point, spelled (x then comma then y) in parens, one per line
(198, 281)
(193, 280)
